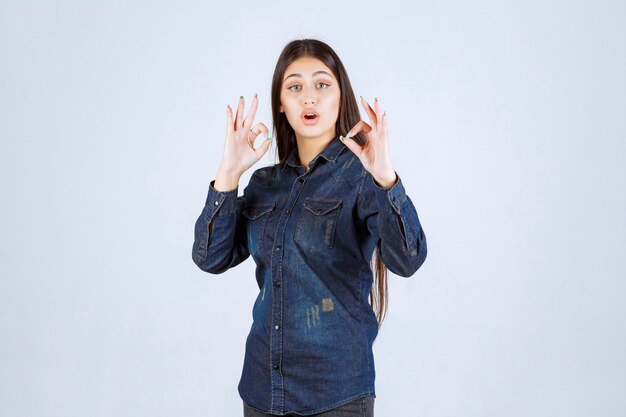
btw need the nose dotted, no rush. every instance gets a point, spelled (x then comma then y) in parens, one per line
(309, 97)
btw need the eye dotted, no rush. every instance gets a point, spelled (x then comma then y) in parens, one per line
(290, 88)
(327, 85)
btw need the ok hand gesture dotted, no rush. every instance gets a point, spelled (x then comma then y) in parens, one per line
(374, 155)
(239, 153)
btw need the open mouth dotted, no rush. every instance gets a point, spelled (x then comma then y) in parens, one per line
(309, 117)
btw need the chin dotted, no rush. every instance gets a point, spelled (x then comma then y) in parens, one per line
(313, 131)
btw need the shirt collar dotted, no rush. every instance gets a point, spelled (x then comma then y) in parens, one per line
(330, 153)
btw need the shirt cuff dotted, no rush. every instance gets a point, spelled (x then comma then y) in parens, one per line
(391, 199)
(221, 203)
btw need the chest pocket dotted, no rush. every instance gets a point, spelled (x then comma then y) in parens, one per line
(316, 226)
(257, 215)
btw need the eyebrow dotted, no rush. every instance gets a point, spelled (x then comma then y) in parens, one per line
(300, 75)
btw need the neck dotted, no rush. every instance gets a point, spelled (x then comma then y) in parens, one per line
(309, 148)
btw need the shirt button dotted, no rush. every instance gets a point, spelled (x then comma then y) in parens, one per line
(217, 202)
(276, 366)
(277, 327)
(277, 248)
(277, 284)
(287, 211)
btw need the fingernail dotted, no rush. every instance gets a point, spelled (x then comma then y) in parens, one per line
(228, 106)
(255, 94)
(384, 113)
(341, 138)
(267, 135)
(241, 97)
(361, 97)
(375, 98)
(348, 135)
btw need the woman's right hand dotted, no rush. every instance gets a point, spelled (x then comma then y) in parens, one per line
(239, 153)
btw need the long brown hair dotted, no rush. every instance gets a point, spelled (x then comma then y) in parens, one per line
(348, 116)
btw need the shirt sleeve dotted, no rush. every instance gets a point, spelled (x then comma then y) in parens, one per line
(225, 246)
(391, 218)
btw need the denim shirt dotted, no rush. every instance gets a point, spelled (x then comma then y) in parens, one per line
(311, 234)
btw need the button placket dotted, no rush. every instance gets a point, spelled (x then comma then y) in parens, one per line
(276, 354)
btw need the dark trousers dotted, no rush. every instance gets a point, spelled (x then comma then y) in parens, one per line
(361, 407)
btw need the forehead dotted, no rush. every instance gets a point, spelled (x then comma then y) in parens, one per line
(306, 66)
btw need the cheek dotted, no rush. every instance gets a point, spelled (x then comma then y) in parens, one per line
(290, 113)
(287, 106)
(334, 108)
(336, 101)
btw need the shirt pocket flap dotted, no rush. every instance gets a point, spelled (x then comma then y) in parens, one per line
(254, 211)
(321, 207)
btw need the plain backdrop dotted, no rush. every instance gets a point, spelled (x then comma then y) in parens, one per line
(506, 123)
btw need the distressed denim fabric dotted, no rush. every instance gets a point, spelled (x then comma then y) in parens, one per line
(311, 234)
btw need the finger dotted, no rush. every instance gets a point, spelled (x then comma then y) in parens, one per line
(262, 149)
(256, 131)
(229, 120)
(250, 116)
(238, 116)
(379, 114)
(368, 109)
(361, 126)
(384, 124)
(352, 145)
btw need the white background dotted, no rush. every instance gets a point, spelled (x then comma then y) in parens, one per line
(506, 123)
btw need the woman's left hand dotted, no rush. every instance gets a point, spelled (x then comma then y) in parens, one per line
(374, 155)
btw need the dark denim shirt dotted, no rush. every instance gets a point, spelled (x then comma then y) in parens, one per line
(311, 235)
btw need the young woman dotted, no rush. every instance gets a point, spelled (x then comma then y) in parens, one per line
(313, 224)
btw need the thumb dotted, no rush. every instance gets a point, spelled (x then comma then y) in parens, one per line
(351, 144)
(265, 146)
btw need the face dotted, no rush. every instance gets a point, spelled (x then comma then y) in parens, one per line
(310, 86)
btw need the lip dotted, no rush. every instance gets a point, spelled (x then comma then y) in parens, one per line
(309, 121)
